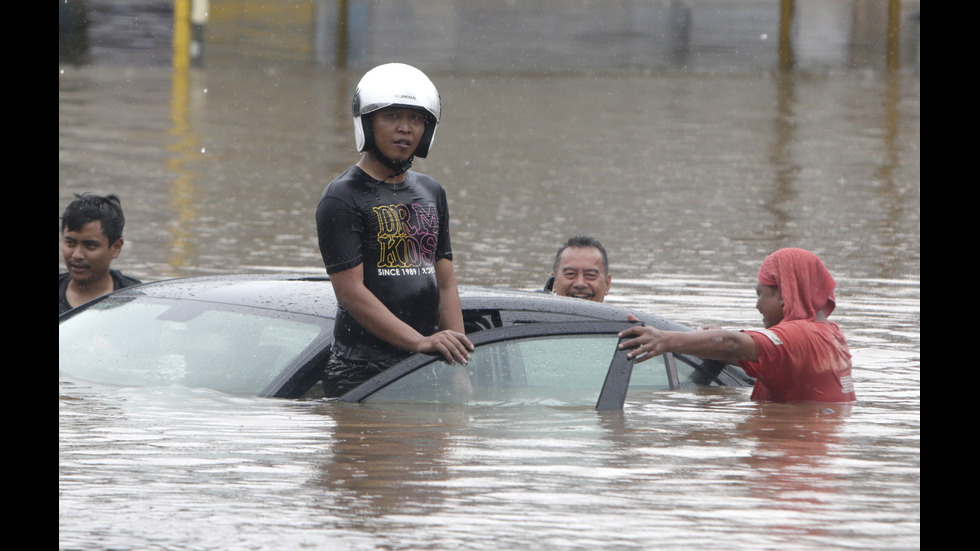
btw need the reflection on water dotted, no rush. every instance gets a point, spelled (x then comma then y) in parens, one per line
(702, 469)
(696, 167)
(688, 173)
(226, 162)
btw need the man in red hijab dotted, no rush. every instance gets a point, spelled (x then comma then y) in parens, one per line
(798, 356)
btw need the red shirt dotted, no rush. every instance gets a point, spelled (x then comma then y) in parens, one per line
(801, 360)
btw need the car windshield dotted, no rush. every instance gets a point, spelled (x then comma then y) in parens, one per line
(153, 342)
(555, 370)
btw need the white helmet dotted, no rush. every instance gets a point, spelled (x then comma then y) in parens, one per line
(395, 84)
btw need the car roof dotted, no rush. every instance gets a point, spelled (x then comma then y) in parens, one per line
(313, 295)
(515, 301)
(301, 294)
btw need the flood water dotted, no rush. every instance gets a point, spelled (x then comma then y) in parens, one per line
(689, 173)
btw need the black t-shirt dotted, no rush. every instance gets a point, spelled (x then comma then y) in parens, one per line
(397, 231)
(118, 282)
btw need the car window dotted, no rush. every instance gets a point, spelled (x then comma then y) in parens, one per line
(651, 374)
(687, 373)
(150, 343)
(560, 370)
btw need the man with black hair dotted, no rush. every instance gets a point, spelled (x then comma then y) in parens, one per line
(91, 238)
(581, 270)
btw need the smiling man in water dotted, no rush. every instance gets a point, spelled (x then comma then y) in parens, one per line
(581, 270)
(91, 238)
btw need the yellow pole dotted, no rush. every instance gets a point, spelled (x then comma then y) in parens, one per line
(894, 31)
(785, 35)
(182, 34)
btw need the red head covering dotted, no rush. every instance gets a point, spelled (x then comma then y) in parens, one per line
(804, 283)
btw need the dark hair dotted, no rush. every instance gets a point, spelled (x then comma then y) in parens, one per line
(89, 208)
(582, 241)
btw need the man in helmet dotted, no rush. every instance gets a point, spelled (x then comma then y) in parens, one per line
(383, 233)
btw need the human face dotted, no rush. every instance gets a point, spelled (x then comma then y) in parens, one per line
(88, 253)
(581, 274)
(398, 131)
(770, 304)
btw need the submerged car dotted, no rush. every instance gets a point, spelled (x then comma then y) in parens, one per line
(270, 335)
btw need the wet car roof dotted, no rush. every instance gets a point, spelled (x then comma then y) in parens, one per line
(304, 294)
(287, 292)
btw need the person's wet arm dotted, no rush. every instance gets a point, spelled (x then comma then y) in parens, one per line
(451, 324)
(451, 321)
(645, 342)
(376, 318)
(450, 311)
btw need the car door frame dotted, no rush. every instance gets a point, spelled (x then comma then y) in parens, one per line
(612, 395)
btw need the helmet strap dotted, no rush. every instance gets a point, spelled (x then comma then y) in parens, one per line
(400, 167)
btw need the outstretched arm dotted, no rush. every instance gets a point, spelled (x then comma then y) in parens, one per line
(716, 344)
